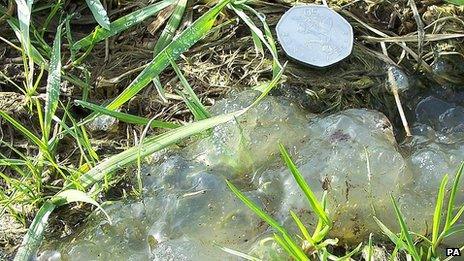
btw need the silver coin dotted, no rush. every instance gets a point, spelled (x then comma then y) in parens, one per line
(315, 35)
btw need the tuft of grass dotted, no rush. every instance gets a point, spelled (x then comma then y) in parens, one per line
(173, 50)
(111, 164)
(28, 186)
(314, 244)
(404, 241)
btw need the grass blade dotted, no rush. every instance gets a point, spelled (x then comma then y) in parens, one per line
(255, 208)
(53, 84)
(185, 40)
(265, 89)
(453, 230)
(268, 219)
(452, 198)
(348, 256)
(302, 228)
(394, 238)
(166, 38)
(410, 247)
(34, 235)
(257, 32)
(24, 16)
(34, 53)
(315, 204)
(120, 25)
(370, 248)
(24, 131)
(192, 100)
(456, 2)
(458, 215)
(276, 66)
(72, 195)
(151, 145)
(128, 118)
(99, 13)
(438, 210)
(285, 246)
(171, 27)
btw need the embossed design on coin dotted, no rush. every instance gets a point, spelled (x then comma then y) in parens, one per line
(315, 35)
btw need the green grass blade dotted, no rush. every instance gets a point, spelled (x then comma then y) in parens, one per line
(120, 25)
(99, 13)
(186, 39)
(410, 247)
(72, 195)
(348, 256)
(171, 27)
(151, 145)
(285, 246)
(422, 237)
(125, 117)
(34, 53)
(295, 249)
(256, 209)
(34, 235)
(456, 2)
(24, 8)
(276, 66)
(256, 31)
(53, 84)
(315, 204)
(302, 228)
(257, 43)
(265, 89)
(370, 248)
(453, 230)
(395, 239)
(192, 100)
(458, 215)
(166, 37)
(438, 210)
(452, 198)
(24, 131)
(12, 162)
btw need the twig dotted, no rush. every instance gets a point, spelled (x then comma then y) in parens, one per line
(420, 31)
(394, 90)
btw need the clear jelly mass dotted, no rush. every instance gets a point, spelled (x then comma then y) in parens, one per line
(187, 209)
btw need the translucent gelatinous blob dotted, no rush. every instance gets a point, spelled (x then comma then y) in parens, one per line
(187, 209)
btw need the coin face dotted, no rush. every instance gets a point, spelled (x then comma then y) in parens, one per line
(315, 35)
